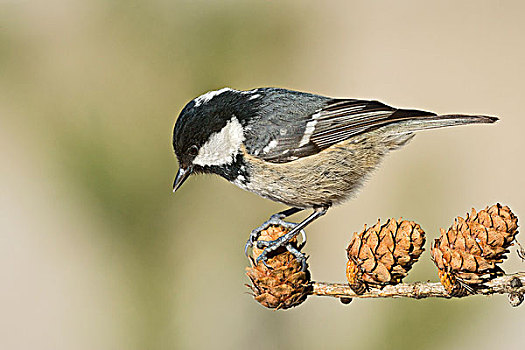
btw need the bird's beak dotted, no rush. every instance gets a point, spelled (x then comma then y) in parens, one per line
(182, 175)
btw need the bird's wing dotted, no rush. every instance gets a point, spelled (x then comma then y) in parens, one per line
(288, 139)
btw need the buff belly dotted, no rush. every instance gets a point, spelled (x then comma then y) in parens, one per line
(323, 179)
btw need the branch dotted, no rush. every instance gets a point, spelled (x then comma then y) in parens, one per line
(513, 285)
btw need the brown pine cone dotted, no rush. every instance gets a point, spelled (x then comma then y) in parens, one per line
(383, 255)
(284, 284)
(498, 218)
(468, 253)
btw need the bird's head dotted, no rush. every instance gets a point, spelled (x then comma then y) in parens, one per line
(207, 133)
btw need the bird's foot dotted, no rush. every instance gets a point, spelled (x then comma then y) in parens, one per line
(300, 257)
(276, 220)
(284, 241)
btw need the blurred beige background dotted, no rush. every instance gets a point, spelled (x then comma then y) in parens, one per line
(97, 253)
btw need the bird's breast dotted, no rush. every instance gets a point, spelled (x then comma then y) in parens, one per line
(326, 178)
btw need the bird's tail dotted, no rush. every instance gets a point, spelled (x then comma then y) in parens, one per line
(411, 125)
(401, 131)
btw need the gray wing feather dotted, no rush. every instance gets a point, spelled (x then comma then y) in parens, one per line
(307, 124)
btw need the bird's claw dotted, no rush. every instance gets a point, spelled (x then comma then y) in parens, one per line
(276, 219)
(263, 257)
(301, 257)
(284, 241)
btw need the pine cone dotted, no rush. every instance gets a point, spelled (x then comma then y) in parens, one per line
(282, 286)
(468, 253)
(383, 255)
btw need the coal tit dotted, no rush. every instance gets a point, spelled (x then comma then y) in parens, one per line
(296, 148)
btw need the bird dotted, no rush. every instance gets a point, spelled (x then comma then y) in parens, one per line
(300, 149)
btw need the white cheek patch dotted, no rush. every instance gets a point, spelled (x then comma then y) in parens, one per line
(209, 95)
(222, 147)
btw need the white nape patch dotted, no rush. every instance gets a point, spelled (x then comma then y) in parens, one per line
(309, 130)
(222, 147)
(270, 146)
(209, 95)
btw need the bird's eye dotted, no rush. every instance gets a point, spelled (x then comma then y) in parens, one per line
(193, 150)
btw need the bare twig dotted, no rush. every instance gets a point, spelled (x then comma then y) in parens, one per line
(513, 285)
